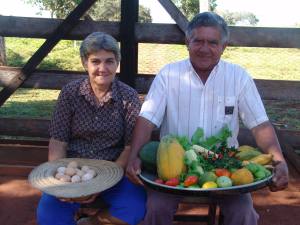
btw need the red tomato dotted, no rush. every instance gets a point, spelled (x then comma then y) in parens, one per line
(222, 172)
(172, 182)
(190, 180)
(159, 181)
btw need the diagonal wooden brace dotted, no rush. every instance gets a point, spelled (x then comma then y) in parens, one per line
(175, 13)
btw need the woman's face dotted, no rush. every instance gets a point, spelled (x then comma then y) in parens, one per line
(101, 67)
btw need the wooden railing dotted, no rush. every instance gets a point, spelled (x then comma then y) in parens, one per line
(28, 138)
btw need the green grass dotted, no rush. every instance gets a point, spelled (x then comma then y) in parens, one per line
(30, 103)
(262, 63)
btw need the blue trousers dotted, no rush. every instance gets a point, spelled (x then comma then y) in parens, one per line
(126, 201)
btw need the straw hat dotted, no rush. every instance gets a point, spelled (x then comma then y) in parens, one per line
(107, 175)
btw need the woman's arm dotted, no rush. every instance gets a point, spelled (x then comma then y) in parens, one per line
(57, 149)
(123, 158)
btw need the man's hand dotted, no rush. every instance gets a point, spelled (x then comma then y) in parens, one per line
(280, 179)
(81, 200)
(134, 168)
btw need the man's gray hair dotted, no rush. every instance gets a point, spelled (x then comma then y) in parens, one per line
(209, 19)
(97, 41)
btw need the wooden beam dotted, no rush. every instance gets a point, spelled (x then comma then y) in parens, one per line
(39, 128)
(148, 32)
(15, 170)
(268, 89)
(129, 45)
(29, 27)
(175, 13)
(291, 156)
(24, 127)
(2, 52)
(30, 155)
(65, 27)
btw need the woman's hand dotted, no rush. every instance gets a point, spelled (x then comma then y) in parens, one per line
(134, 168)
(81, 200)
(281, 178)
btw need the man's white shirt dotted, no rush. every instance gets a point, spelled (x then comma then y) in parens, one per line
(178, 102)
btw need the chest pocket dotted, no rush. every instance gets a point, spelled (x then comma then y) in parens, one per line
(226, 109)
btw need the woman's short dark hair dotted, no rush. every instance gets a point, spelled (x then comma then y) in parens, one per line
(97, 41)
(209, 19)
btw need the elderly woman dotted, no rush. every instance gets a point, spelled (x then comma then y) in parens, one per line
(94, 118)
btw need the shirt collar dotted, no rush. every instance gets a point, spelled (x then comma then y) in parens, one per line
(215, 69)
(85, 90)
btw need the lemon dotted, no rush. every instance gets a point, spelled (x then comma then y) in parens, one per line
(209, 184)
(207, 176)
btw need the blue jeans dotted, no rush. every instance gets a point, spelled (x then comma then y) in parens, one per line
(126, 201)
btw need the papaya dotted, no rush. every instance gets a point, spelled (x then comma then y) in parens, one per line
(170, 155)
(242, 176)
(148, 156)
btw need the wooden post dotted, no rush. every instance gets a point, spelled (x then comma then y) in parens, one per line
(64, 28)
(2, 52)
(129, 45)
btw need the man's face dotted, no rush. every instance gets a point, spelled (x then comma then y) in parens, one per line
(205, 48)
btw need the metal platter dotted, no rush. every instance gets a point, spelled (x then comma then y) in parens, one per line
(148, 179)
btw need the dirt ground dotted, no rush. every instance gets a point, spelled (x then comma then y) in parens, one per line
(18, 202)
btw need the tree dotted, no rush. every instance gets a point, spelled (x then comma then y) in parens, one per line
(191, 7)
(57, 8)
(107, 10)
(233, 18)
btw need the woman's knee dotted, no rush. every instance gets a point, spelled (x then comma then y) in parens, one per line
(52, 211)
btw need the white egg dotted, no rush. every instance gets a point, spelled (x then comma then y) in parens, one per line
(70, 171)
(73, 164)
(91, 172)
(80, 173)
(65, 178)
(61, 169)
(85, 168)
(87, 177)
(59, 175)
(75, 179)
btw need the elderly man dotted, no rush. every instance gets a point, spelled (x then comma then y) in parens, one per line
(205, 91)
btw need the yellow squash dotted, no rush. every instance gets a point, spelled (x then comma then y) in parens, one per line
(170, 155)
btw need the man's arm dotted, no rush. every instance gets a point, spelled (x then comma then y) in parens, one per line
(266, 140)
(141, 135)
(57, 149)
